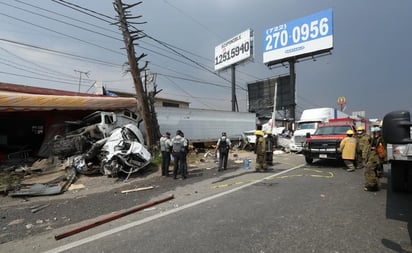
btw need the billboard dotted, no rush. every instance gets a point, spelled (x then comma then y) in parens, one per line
(236, 49)
(262, 93)
(298, 38)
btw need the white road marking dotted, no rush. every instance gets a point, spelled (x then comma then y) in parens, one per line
(159, 215)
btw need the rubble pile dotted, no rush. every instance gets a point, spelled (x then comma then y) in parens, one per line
(100, 144)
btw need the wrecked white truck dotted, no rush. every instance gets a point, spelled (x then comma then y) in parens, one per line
(105, 142)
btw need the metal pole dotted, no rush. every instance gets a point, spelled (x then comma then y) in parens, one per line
(110, 218)
(233, 68)
(293, 87)
(80, 78)
(274, 107)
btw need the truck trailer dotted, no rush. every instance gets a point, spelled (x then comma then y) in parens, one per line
(202, 126)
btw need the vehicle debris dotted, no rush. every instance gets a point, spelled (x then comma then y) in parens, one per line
(105, 143)
(37, 190)
(39, 208)
(138, 189)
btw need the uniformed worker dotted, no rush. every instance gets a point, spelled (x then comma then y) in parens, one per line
(223, 145)
(165, 148)
(260, 151)
(373, 162)
(269, 147)
(184, 158)
(348, 149)
(382, 151)
(179, 146)
(362, 139)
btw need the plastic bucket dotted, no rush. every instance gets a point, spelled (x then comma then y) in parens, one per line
(246, 164)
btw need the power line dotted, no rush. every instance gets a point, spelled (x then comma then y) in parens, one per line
(84, 10)
(60, 33)
(62, 53)
(68, 17)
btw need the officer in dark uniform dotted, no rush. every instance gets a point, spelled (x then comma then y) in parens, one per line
(223, 145)
(179, 145)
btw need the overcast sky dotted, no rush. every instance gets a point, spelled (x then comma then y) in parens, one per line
(52, 44)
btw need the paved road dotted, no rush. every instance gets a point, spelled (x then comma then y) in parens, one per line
(292, 208)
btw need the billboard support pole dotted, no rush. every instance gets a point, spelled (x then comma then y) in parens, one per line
(234, 102)
(292, 81)
(274, 108)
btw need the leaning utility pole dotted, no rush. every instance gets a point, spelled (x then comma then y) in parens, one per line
(129, 38)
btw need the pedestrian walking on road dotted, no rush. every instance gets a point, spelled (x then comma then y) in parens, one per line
(348, 149)
(165, 148)
(260, 151)
(179, 145)
(223, 146)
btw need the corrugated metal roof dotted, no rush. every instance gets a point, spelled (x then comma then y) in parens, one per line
(17, 101)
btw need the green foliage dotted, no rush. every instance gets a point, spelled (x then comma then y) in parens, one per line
(157, 159)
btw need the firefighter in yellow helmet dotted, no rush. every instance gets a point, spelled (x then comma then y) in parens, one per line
(362, 139)
(348, 149)
(260, 151)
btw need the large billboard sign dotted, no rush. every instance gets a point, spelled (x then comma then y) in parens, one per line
(300, 37)
(236, 49)
(262, 93)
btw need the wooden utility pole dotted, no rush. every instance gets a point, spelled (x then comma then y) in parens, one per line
(129, 39)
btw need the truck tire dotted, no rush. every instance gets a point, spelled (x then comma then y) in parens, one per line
(398, 180)
(308, 159)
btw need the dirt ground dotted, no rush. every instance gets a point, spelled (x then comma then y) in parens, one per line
(89, 184)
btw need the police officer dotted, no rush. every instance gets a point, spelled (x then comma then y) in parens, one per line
(165, 147)
(179, 146)
(223, 145)
(348, 148)
(362, 142)
(260, 151)
(184, 157)
(373, 162)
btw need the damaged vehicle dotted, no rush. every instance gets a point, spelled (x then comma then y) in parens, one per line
(106, 143)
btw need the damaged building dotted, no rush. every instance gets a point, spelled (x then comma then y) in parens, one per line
(81, 133)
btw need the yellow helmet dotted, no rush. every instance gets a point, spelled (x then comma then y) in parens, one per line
(349, 132)
(269, 131)
(259, 132)
(360, 128)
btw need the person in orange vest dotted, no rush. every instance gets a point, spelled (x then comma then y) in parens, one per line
(348, 149)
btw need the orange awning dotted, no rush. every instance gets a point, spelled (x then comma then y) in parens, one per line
(15, 101)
